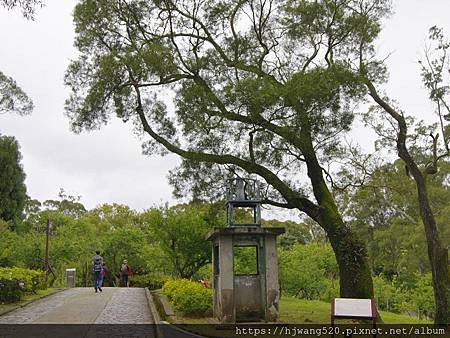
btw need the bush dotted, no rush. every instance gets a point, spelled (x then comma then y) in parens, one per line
(152, 281)
(10, 290)
(189, 298)
(15, 282)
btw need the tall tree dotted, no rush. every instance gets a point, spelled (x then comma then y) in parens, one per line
(421, 159)
(180, 232)
(12, 186)
(259, 86)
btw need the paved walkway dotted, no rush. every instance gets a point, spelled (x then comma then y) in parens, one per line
(84, 306)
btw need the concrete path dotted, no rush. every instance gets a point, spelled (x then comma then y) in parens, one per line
(84, 306)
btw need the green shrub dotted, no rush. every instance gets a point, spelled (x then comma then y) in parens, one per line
(172, 285)
(152, 281)
(10, 290)
(14, 282)
(189, 298)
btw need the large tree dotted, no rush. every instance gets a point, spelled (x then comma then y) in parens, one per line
(180, 233)
(258, 86)
(420, 156)
(12, 186)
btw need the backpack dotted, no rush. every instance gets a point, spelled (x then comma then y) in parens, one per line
(97, 263)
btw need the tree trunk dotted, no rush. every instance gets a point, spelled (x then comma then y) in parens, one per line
(437, 254)
(351, 254)
(355, 275)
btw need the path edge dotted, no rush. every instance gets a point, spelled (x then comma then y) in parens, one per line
(32, 301)
(154, 312)
(159, 322)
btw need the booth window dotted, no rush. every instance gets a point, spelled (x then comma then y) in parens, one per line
(245, 260)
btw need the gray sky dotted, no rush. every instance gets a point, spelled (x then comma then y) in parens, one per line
(107, 165)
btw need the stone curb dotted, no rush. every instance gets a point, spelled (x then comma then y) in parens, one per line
(30, 301)
(160, 324)
(154, 312)
(151, 305)
(167, 308)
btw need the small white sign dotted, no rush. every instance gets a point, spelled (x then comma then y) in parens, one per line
(350, 307)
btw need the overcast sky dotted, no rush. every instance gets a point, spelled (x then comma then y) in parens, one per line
(107, 165)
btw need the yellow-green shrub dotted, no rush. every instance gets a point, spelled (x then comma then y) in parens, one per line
(189, 298)
(14, 282)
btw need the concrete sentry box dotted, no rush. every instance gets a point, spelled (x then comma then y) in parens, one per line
(70, 274)
(251, 295)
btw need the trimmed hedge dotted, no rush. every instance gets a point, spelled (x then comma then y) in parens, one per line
(15, 282)
(153, 281)
(189, 298)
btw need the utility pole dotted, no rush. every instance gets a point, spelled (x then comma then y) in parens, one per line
(46, 252)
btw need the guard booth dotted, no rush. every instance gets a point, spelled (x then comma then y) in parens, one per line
(245, 266)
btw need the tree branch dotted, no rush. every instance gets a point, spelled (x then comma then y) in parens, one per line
(300, 202)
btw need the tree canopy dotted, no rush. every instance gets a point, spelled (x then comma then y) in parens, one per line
(27, 7)
(254, 83)
(12, 98)
(12, 177)
(261, 87)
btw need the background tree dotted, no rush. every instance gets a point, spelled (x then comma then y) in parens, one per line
(260, 87)
(124, 243)
(180, 233)
(67, 205)
(384, 214)
(12, 98)
(114, 216)
(421, 156)
(12, 178)
(295, 233)
(309, 271)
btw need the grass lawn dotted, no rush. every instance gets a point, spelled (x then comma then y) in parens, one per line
(25, 300)
(298, 311)
(293, 310)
